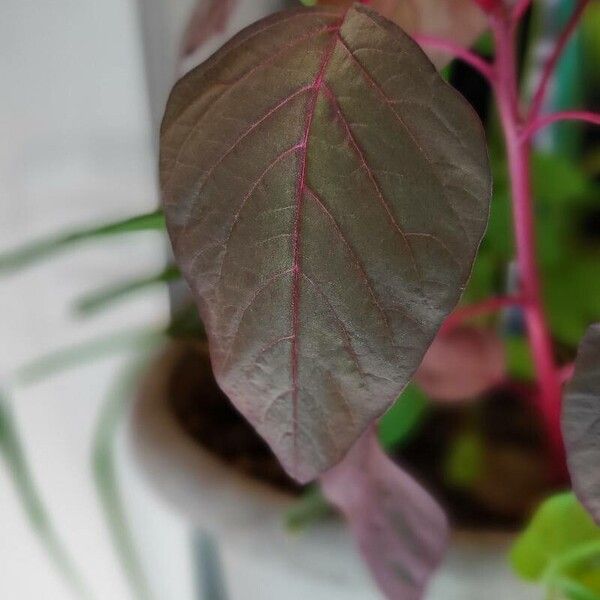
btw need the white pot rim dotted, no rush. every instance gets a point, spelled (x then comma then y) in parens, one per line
(180, 469)
(246, 514)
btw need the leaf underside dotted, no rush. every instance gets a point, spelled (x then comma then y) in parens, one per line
(401, 531)
(325, 194)
(581, 423)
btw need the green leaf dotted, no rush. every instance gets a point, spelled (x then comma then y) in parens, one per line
(519, 359)
(465, 460)
(33, 506)
(559, 527)
(326, 192)
(572, 296)
(42, 249)
(107, 482)
(557, 180)
(72, 356)
(403, 419)
(100, 299)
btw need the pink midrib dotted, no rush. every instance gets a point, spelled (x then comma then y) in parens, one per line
(296, 234)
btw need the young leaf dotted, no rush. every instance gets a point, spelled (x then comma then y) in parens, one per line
(557, 546)
(462, 364)
(325, 194)
(401, 531)
(581, 423)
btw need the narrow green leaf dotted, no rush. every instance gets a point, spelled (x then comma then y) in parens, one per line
(107, 483)
(78, 354)
(44, 248)
(35, 511)
(98, 300)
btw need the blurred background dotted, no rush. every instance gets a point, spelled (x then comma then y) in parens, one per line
(83, 87)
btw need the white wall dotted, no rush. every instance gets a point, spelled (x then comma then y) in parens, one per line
(77, 146)
(74, 148)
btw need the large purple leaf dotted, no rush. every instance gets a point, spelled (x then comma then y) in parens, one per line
(401, 531)
(581, 423)
(461, 21)
(325, 193)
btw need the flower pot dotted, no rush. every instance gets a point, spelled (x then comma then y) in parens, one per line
(260, 558)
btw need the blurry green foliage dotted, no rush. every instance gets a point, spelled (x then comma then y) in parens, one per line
(518, 358)
(566, 204)
(591, 41)
(560, 547)
(403, 419)
(465, 460)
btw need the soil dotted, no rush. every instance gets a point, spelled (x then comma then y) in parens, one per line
(510, 481)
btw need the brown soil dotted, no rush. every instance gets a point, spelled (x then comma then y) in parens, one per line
(512, 481)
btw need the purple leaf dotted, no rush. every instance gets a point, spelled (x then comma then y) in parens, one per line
(581, 423)
(209, 18)
(461, 21)
(401, 531)
(462, 364)
(325, 193)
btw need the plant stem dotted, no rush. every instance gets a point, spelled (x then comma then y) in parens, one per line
(519, 161)
(479, 64)
(470, 311)
(567, 115)
(538, 98)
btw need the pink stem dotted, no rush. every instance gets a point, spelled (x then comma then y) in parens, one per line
(520, 9)
(449, 47)
(519, 159)
(538, 98)
(476, 310)
(568, 115)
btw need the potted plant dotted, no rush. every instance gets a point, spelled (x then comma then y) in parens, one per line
(326, 193)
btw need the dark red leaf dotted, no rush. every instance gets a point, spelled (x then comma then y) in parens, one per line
(581, 423)
(325, 193)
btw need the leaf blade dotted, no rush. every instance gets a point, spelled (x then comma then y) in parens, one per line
(318, 279)
(401, 531)
(581, 421)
